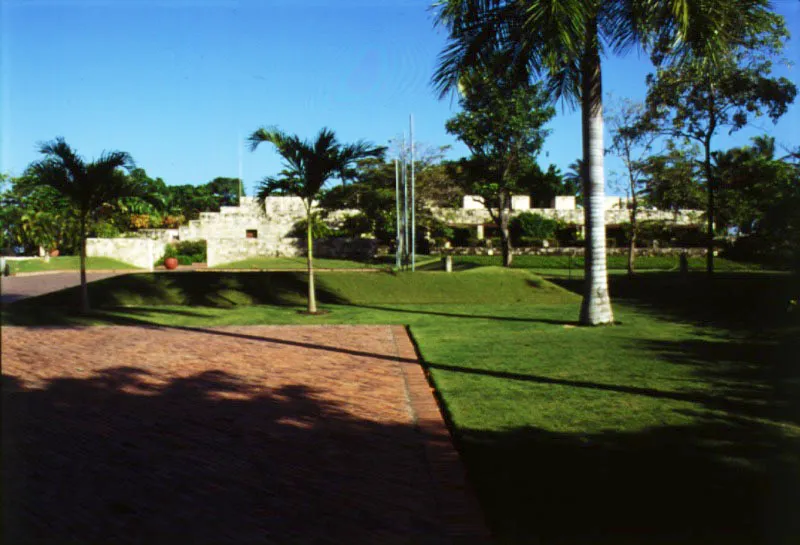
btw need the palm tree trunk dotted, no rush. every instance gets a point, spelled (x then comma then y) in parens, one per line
(312, 295)
(84, 283)
(596, 305)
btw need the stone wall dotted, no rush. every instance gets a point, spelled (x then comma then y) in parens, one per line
(346, 248)
(478, 216)
(228, 250)
(164, 235)
(139, 252)
(691, 252)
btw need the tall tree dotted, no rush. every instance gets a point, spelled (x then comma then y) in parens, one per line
(86, 185)
(630, 142)
(695, 100)
(563, 40)
(502, 123)
(672, 180)
(307, 167)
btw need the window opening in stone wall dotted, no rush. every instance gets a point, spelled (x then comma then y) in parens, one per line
(251, 233)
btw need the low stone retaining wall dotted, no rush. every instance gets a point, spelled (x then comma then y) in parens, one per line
(691, 252)
(346, 248)
(139, 252)
(228, 250)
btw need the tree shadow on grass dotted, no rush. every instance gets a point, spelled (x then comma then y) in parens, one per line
(468, 316)
(718, 481)
(128, 456)
(206, 289)
(736, 301)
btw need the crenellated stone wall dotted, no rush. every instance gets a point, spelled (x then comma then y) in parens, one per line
(480, 216)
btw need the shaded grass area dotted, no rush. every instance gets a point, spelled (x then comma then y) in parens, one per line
(66, 263)
(679, 425)
(300, 263)
(227, 289)
(614, 262)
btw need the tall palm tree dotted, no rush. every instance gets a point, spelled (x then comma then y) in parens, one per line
(307, 166)
(563, 41)
(87, 186)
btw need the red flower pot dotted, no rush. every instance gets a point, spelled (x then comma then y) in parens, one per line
(171, 263)
(54, 253)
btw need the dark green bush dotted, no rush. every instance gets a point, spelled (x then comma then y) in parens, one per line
(353, 227)
(462, 236)
(186, 252)
(534, 226)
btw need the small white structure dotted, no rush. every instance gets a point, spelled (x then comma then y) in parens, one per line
(520, 202)
(563, 202)
(472, 202)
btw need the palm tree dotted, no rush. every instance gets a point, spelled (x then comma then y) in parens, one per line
(307, 166)
(562, 41)
(87, 186)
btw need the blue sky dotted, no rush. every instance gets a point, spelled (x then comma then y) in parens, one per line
(179, 84)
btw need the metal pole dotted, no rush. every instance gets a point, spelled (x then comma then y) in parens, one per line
(405, 202)
(413, 202)
(399, 250)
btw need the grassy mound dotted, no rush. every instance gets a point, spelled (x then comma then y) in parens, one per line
(221, 289)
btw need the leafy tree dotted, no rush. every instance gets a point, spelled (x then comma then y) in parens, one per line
(87, 187)
(35, 217)
(672, 179)
(226, 190)
(544, 185)
(562, 40)
(501, 123)
(631, 142)
(759, 196)
(307, 167)
(695, 100)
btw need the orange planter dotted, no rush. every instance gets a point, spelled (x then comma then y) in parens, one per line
(171, 263)
(53, 253)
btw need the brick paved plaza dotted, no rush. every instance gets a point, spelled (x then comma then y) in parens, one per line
(249, 434)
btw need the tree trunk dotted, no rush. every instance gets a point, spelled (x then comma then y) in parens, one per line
(596, 305)
(84, 283)
(312, 295)
(709, 209)
(505, 238)
(634, 232)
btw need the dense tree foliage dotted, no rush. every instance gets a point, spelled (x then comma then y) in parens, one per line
(502, 123)
(695, 100)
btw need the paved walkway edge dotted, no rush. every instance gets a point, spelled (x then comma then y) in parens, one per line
(458, 505)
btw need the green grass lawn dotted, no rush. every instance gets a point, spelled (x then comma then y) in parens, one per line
(381, 262)
(614, 263)
(66, 263)
(680, 424)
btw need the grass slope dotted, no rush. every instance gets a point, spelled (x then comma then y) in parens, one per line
(681, 424)
(614, 263)
(66, 263)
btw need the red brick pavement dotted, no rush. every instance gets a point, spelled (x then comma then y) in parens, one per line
(253, 434)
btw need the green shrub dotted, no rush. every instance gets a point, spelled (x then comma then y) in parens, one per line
(319, 229)
(532, 226)
(353, 227)
(186, 252)
(463, 235)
